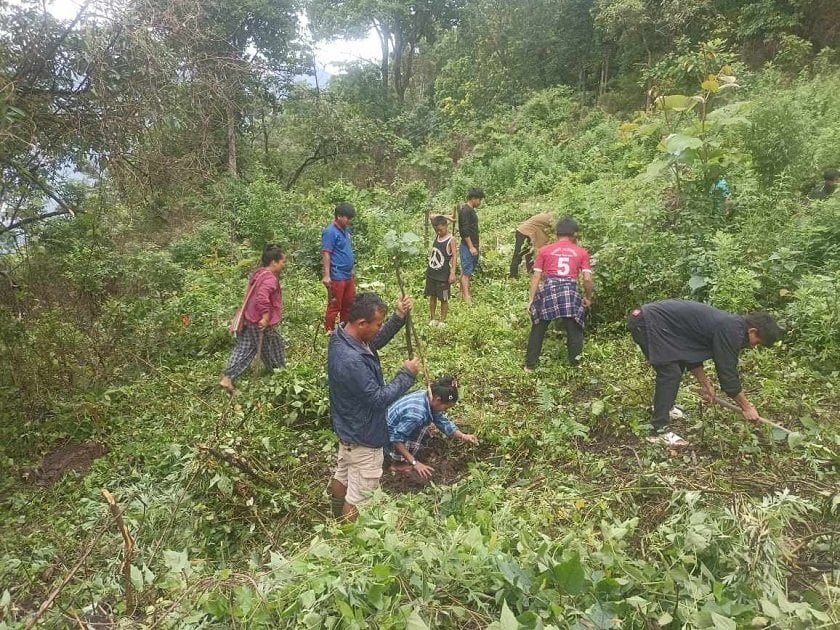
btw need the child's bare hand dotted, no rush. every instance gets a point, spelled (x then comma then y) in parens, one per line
(469, 437)
(424, 471)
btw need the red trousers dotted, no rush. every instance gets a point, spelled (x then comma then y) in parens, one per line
(341, 297)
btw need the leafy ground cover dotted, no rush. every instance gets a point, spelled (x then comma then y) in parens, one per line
(564, 516)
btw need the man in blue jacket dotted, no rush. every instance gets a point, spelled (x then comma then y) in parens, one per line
(359, 398)
(679, 335)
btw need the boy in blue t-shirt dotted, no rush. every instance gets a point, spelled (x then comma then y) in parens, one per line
(337, 262)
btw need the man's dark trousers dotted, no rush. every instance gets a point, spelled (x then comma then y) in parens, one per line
(668, 376)
(522, 246)
(574, 340)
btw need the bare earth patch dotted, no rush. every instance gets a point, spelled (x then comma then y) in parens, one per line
(77, 457)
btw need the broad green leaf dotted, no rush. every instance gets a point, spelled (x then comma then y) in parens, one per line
(695, 283)
(676, 103)
(597, 407)
(601, 616)
(664, 619)
(770, 609)
(415, 621)
(136, 578)
(176, 561)
(678, 143)
(508, 620)
(723, 623)
(794, 439)
(568, 576)
(656, 169)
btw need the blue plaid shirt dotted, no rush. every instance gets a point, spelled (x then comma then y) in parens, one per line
(411, 413)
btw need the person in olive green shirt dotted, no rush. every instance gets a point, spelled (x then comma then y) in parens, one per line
(530, 236)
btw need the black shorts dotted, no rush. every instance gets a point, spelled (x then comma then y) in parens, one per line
(437, 289)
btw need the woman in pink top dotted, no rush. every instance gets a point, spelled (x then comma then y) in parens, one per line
(263, 311)
(559, 263)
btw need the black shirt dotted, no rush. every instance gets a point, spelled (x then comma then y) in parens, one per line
(468, 224)
(691, 332)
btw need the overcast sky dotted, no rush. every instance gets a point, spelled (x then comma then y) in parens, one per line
(328, 55)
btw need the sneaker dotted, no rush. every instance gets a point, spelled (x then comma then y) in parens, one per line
(676, 413)
(668, 439)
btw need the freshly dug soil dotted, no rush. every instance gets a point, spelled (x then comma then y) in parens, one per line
(78, 457)
(450, 459)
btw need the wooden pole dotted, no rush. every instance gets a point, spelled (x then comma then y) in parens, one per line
(410, 330)
(733, 407)
(128, 554)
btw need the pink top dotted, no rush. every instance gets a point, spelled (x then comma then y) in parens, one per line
(267, 297)
(562, 259)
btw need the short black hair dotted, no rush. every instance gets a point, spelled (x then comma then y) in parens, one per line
(365, 306)
(445, 388)
(475, 193)
(831, 173)
(767, 328)
(271, 253)
(439, 219)
(345, 209)
(566, 226)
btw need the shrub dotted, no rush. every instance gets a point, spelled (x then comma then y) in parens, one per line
(208, 241)
(814, 319)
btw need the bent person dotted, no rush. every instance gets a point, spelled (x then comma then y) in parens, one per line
(679, 335)
(262, 312)
(826, 188)
(411, 418)
(560, 264)
(359, 398)
(530, 237)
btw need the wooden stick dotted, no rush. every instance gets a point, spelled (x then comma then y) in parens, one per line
(66, 580)
(733, 407)
(411, 330)
(237, 461)
(128, 542)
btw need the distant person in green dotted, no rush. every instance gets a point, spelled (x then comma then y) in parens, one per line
(440, 271)
(721, 193)
(530, 236)
(468, 229)
(826, 188)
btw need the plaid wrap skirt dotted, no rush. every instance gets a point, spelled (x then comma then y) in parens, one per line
(557, 298)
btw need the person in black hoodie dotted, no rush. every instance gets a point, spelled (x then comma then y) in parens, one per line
(679, 335)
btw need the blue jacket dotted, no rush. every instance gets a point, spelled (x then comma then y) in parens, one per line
(359, 397)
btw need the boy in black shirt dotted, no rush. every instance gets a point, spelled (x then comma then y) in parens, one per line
(468, 228)
(440, 272)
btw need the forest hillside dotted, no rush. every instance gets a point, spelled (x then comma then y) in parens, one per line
(150, 150)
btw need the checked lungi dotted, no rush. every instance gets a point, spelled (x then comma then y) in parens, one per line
(557, 298)
(247, 343)
(413, 444)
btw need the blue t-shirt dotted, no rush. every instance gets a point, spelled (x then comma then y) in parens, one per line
(337, 242)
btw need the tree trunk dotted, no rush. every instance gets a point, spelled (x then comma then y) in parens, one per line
(231, 140)
(384, 40)
(399, 85)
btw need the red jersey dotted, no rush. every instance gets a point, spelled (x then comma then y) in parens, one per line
(562, 259)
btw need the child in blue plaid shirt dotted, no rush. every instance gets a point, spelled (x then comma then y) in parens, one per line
(411, 418)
